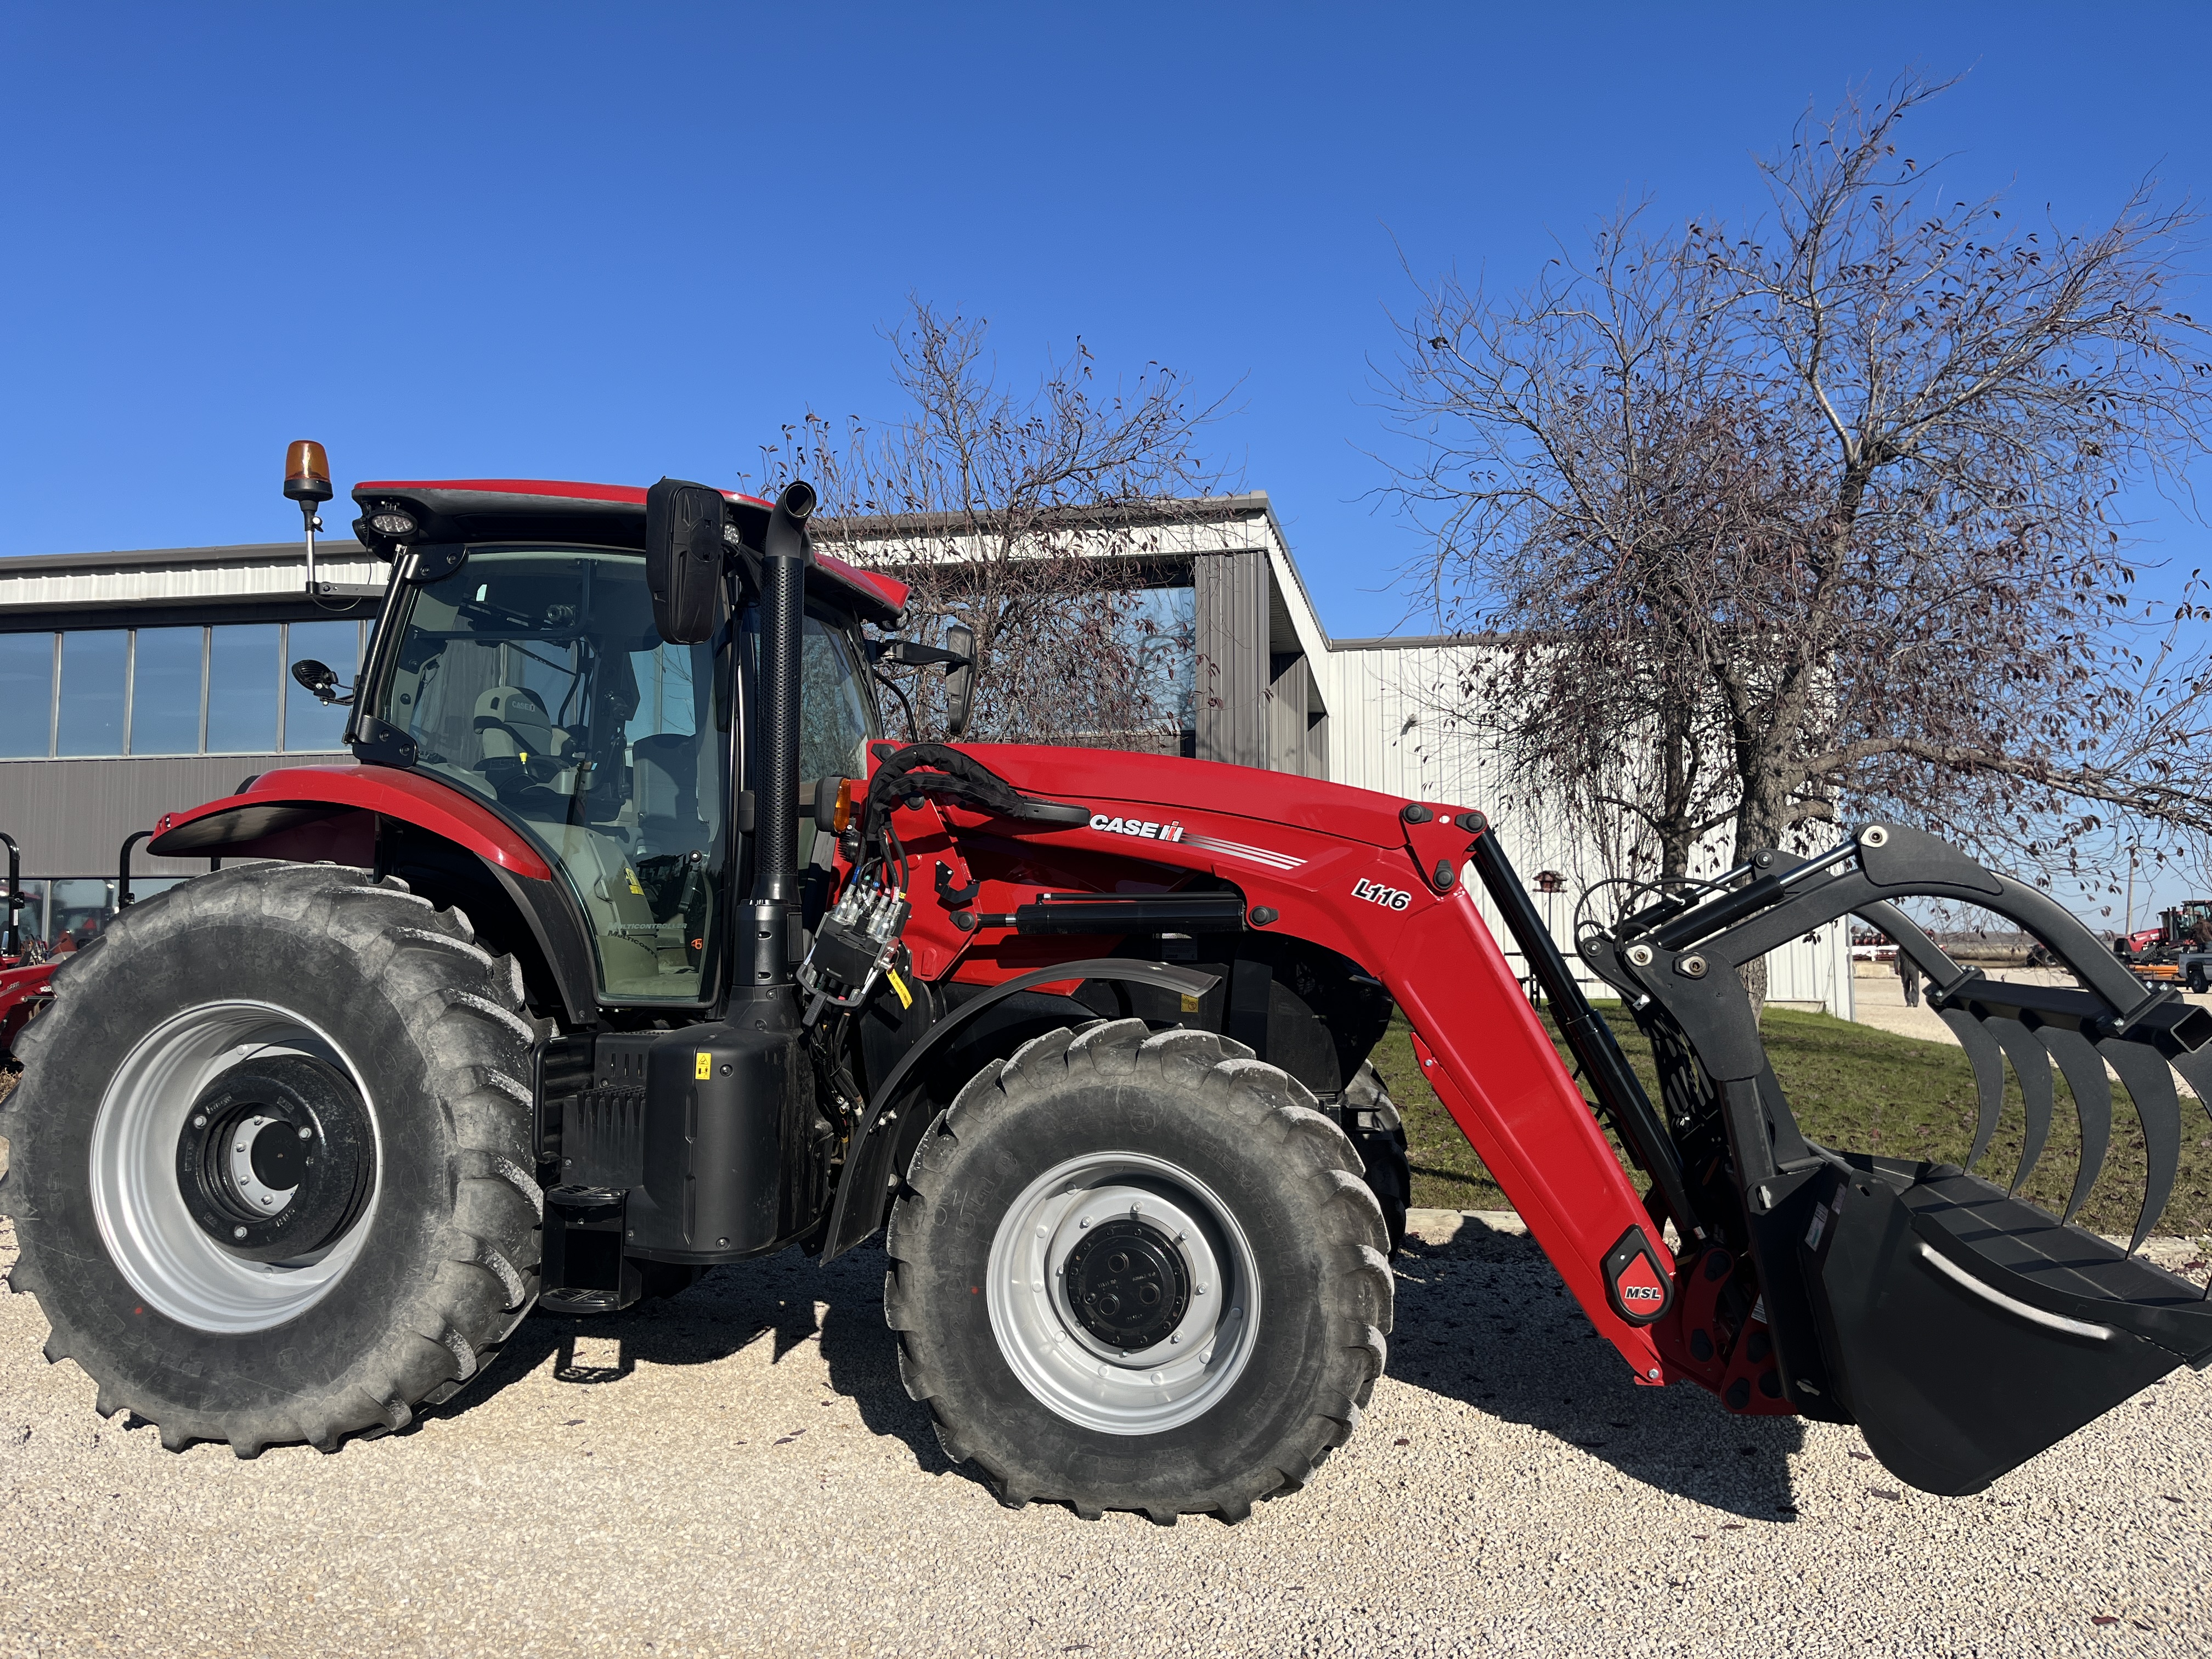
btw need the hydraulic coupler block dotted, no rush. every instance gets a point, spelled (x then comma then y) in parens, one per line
(856, 946)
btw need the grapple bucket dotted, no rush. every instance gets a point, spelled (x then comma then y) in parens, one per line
(1962, 1327)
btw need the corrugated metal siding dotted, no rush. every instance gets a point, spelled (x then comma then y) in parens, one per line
(1391, 735)
(1232, 658)
(1286, 699)
(69, 816)
(254, 572)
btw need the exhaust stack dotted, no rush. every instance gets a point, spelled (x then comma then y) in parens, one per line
(776, 748)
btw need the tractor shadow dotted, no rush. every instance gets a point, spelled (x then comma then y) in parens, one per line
(1485, 1319)
(729, 1309)
(1482, 1319)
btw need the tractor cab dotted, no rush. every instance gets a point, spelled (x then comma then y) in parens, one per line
(519, 660)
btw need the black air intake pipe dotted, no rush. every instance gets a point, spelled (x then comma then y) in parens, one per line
(776, 748)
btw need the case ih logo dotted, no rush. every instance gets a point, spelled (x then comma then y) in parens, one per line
(1140, 827)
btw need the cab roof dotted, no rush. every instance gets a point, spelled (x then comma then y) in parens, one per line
(606, 516)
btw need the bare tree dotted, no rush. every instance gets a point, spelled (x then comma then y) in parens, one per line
(1589, 478)
(1030, 519)
(1820, 517)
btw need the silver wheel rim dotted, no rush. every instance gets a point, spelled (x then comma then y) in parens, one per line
(1073, 1373)
(150, 1233)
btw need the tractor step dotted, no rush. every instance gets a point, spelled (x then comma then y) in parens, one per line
(1967, 1330)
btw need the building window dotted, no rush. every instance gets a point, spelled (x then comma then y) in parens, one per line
(30, 919)
(168, 680)
(244, 668)
(309, 725)
(221, 691)
(95, 671)
(26, 693)
(1163, 632)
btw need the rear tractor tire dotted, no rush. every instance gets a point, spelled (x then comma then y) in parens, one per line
(271, 1159)
(1139, 1271)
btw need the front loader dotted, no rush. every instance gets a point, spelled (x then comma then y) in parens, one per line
(628, 947)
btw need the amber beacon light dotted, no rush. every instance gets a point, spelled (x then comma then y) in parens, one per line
(308, 481)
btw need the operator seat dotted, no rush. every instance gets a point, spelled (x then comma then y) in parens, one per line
(513, 730)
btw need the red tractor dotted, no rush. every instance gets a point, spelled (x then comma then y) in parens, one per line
(2178, 950)
(25, 967)
(628, 947)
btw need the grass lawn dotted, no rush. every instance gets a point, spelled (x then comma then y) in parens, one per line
(1859, 1089)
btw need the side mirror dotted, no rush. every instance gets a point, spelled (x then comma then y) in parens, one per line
(683, 559)
(959, 679)
(320, 679)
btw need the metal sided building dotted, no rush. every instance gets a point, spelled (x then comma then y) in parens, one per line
(131, 683)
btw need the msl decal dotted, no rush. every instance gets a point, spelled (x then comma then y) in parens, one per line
(1390, 898)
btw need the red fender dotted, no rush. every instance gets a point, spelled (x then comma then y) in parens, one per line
(308, 813)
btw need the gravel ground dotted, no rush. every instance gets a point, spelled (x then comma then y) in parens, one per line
(737, 1471)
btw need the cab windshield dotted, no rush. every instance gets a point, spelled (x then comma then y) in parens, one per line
(534, 677)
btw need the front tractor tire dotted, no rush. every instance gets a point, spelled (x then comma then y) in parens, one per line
(271, 1170)
(1139, 1271)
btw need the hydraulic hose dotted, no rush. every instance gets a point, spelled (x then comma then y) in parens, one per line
(1588, 1037)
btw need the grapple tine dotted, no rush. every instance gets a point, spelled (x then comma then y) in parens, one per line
(2149, 1080)
(1989, 1074)
(2031, 1064)
(2197, 1072)
(2092, 1105)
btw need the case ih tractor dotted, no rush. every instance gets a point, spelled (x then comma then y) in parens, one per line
(628, 947)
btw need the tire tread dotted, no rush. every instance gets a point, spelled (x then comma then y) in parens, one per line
(476, 1032)
(1279, 1112)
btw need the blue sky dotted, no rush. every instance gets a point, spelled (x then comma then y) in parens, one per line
(611, 243)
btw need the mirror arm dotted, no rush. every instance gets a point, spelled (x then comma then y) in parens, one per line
(913, 654)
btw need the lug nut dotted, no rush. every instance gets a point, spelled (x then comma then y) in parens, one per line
(1691, 967)
(200, 1122)
(238, 1233)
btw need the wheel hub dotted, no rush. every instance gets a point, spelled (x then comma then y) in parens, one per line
(1123, 1293)
(272, 1162)
(1127, 1283)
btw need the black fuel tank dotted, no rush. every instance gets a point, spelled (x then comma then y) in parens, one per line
(728, 1109)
